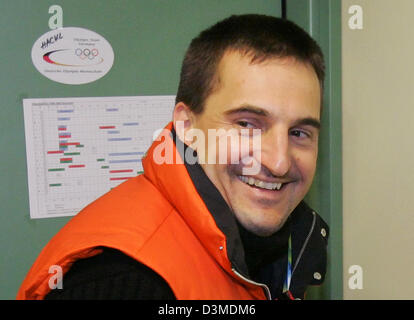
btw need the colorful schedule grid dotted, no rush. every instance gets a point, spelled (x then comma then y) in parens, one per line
(80, 148)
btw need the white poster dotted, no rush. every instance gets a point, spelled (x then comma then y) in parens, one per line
(80, 148)
(72, 55)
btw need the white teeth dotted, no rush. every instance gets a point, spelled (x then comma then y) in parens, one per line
(261, 184)
(269, 185)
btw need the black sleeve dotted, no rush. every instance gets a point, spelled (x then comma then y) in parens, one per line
(111, 275)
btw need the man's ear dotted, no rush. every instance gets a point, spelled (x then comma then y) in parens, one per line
(183, 119)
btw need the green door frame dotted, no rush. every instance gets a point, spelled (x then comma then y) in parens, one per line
(322, 19)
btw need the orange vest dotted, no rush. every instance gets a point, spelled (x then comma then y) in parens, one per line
(158, 219)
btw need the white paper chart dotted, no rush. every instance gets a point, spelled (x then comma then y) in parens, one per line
(80, 148)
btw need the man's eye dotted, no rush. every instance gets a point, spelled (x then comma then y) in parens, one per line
(245, 124)
(299, 133)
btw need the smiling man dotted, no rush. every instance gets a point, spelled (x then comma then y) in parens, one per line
(281, 97)
(212, 229)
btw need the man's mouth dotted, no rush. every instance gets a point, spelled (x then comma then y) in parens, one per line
(261, 184)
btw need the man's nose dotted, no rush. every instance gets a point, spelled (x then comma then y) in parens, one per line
(276, 153)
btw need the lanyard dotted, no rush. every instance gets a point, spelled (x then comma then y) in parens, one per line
(286, 285)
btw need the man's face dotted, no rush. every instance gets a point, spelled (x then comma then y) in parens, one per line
(281, 97)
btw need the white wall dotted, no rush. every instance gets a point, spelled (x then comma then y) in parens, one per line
(378, 148)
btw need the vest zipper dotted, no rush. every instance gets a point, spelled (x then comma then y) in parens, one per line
(305, 243)
(265, 287)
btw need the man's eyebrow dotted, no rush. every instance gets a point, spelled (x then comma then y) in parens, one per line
(248, 109)
(308, 122)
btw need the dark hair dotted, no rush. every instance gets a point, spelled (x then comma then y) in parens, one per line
(264, 37)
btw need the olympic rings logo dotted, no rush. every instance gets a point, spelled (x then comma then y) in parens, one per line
(86, 53)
